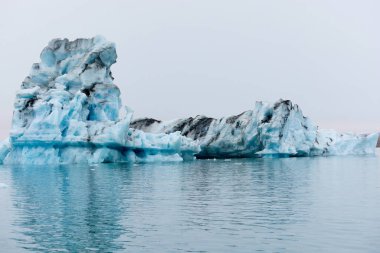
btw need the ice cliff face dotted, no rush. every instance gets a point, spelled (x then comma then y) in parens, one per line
(270, 130)
(70, 96)
(67, 111)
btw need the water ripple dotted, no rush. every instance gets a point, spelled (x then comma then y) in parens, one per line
(262, 205)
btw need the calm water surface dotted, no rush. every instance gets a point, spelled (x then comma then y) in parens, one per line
(269, 205)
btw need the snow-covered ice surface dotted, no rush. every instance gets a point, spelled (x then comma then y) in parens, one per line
(69, 111)
(269, 130)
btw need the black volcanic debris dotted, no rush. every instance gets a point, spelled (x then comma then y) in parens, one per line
(142, 123)
(267, 118)
(193, 128)
(288, 103)
(232, 119)
(36, 66)
(285, 118)
(30, 103)
(88, 91)
(199, 128)
(181, 125)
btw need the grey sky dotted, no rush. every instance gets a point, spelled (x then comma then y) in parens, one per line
(181, 58)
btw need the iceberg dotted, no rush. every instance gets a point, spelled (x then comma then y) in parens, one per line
(269, 130)
(69, 111)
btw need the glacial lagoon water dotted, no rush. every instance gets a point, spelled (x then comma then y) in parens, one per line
(322, 204)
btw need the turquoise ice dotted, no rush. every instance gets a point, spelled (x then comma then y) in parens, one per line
(69, 111)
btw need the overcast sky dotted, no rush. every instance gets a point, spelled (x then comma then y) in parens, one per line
(181, 58)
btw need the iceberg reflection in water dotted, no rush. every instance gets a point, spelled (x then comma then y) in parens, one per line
(287, 205)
